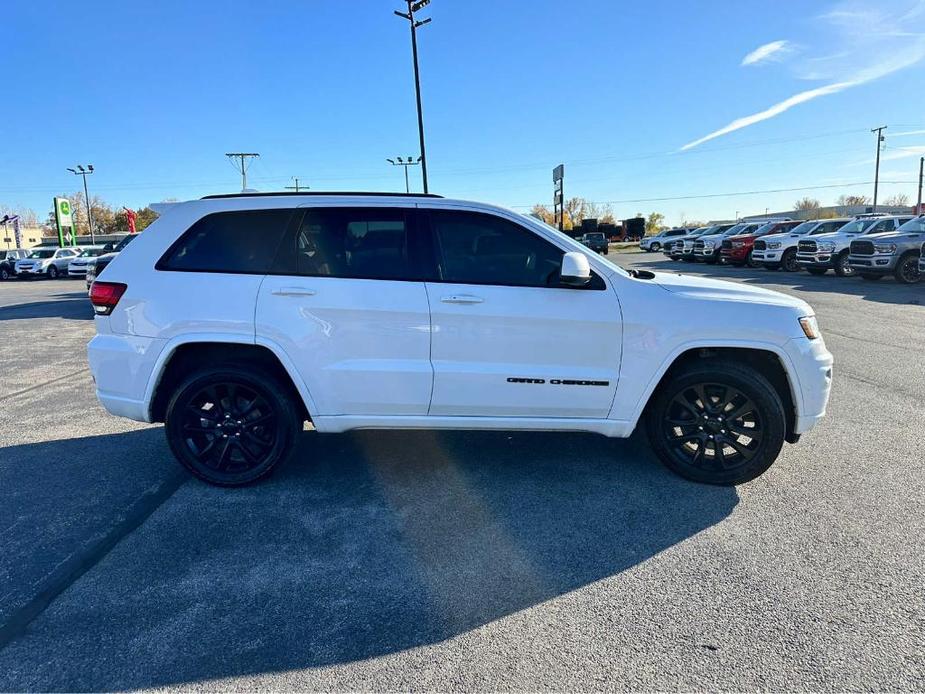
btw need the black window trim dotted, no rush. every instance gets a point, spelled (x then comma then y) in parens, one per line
(597, 283)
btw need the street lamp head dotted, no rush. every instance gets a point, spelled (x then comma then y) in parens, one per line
(73, 171)
(90, 166)
(419, 158)
(391, 161)
(80, 168)
(419, 5)
(422, 22)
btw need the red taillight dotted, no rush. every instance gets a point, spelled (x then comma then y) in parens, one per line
(105, 295)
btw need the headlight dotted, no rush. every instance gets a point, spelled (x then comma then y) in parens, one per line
(825, 246)
(885, 247)
(708, 245)
(774, 244)
(810, 327)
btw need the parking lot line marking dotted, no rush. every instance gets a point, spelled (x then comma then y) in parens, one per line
(42, 385)
(76, 565)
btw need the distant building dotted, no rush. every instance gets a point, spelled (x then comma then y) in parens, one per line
(31, 236)
(833, 211)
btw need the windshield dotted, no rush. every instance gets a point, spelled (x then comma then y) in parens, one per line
(92, 252)
(858, 225)
(45, 253)
(914, 225)
(804, 227)
(123, 243)
(737, 229)
(765, 228)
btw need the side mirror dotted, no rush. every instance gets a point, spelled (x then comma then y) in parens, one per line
(575, 270)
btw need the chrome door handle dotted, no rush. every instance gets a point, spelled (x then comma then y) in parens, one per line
(462, 299)
(293, 291)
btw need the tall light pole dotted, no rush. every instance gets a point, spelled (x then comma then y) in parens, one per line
(918, 204)
(398, 161)
(880, 138)
(409, 15)
(242, 157)
(81, 171)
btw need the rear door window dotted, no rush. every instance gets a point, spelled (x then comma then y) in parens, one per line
(237, 242)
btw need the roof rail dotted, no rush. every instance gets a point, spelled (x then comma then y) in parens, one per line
(320, 193)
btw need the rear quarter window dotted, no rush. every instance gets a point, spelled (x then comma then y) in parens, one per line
(242, 242)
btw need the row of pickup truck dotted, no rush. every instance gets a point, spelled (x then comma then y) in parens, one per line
(870, 245)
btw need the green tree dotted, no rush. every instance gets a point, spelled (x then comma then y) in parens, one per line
(655, 222)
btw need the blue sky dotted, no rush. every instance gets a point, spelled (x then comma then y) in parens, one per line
(153, 94)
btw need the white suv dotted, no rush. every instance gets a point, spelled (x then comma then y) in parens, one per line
(234, 319)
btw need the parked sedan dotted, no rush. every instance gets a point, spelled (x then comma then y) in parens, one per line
(657, 242)
(8, 258)
(46, 261)
(78, 266)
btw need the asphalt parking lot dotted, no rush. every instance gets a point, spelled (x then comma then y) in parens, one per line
(462, 561)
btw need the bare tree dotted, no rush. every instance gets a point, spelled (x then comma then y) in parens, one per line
(898, 200)
(851, 200)
(807, 204)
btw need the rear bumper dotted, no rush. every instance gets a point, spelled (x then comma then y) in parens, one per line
(122, 366)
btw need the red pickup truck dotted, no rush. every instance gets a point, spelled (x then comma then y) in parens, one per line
(737, 250)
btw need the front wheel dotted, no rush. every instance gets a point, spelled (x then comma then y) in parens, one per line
(231, 425)
(789, 261)
(842, 268)
(4, 274)
(907, 270)
(717, 423)
(655, 247)
(750, 261)
(52, 273)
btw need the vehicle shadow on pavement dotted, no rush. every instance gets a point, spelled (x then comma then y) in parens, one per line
(364, 545)
(71, 306)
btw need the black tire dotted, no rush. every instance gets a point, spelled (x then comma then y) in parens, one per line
(788, 260)
(870, 276)
(655, 247)
(907, 269)
(750, 261)
(734, 400)
(816, 271)
(255, 423)
(52, 272)
(842, 268)
(4, 274)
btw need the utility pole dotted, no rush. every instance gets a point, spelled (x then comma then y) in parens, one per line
(81, 171)
(242, 158)
(405, 164)
(918, 205)
(412, 8)
(880, 138)
(296, 187)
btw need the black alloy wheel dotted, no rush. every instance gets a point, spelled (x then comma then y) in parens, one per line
(720, 425)
(231, 426)
(789, 261)
(907, 270)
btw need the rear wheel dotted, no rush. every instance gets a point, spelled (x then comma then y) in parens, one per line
(231, 425)
(842, 268)
(789, 261)
(907, 269)
(870, 276)
(816, 270)
(717, 423)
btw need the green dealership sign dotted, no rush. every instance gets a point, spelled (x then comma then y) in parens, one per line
(63, 220)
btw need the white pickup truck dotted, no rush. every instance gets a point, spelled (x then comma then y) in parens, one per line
(777, 251)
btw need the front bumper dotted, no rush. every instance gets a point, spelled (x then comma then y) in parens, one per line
(77, 272)
(30, 272)
(767, 256)
(873, 263)
(815, 260)
(812, 364)
(734, 255)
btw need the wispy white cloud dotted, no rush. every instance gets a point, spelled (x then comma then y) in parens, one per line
(773, 51)
(907, 133)
(871, 35)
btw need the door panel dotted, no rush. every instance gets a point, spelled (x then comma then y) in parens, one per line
(357, 330)
(523, 351)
